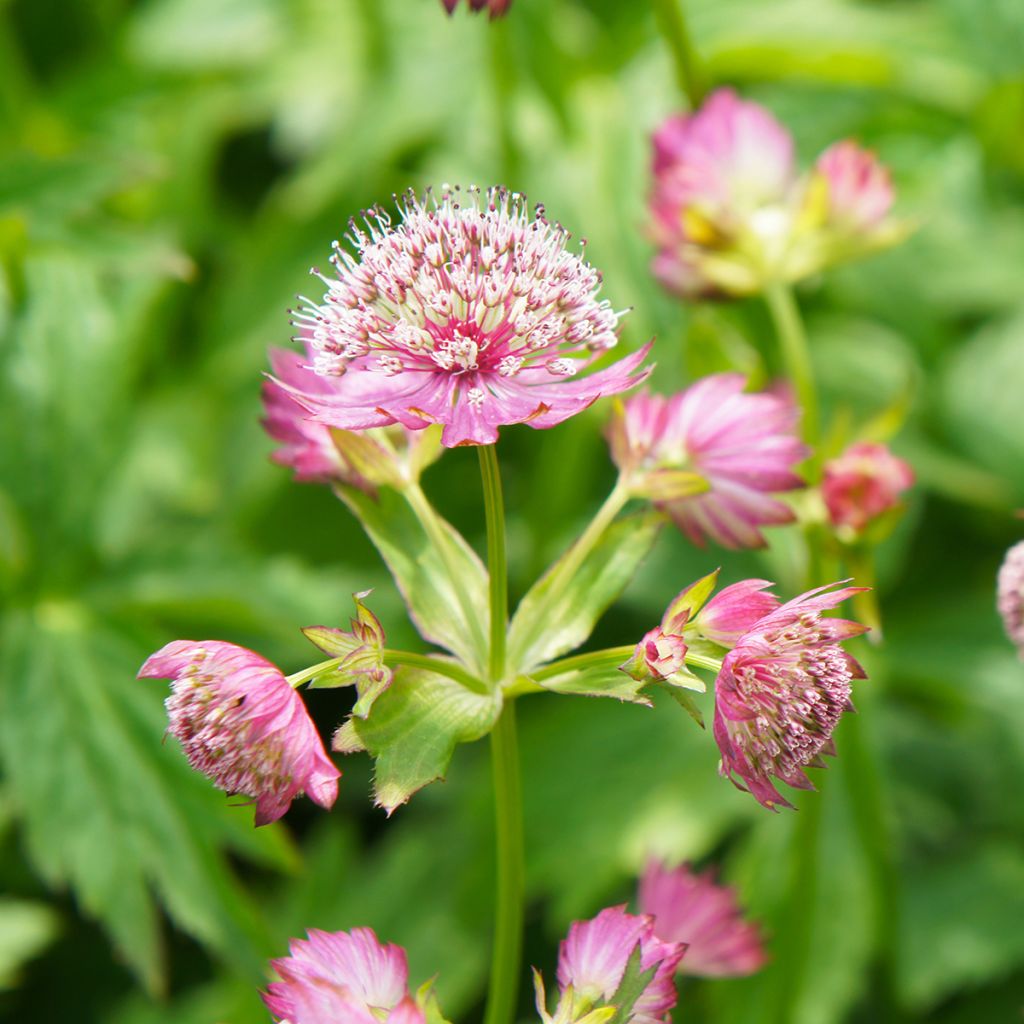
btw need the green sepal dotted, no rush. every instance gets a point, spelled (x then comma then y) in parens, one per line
(684, 679)
(685, 606)
(335, 642)
(632, 987)
(686, 702)
(670, 484)
(426, 1000)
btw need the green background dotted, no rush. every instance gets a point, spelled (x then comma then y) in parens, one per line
(169, 171)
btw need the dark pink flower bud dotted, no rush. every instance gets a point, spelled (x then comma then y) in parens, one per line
(240, 723)
(659, 656)
(693, 909)
(864, 482)
(1010, 595)
(860, 191)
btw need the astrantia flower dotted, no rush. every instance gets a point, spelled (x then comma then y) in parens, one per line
(388, 456)
(734, 610)
(495, 7)
(862, 484)
(694, 909)
(781, 692)
(470, 313)
(343, 977)
(241, 724)
(592, 962)
(730, 213)
(1010, 595)
(711, 457)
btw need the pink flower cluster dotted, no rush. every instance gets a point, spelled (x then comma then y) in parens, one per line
(862, 484)
(711, 457)
(470, 313)
(730, 213)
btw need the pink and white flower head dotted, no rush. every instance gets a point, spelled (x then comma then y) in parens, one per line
(240, 723)
(344, 977)
(470, 313)
(694, 909)
(1010, 595)
(592, 962)
(863, 483)
(860, 192)
(388, 456)
(711, 457)
(780, 694)
(494, 7)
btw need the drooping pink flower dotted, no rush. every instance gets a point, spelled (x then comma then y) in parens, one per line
(495, 7)
(734, 610)
(1010, 595)
(470, 313)
(694, 909)
(860, 192)
(863, 483)
(780, 694)
(592, 961)
(741, 448)
(240, 723)
(343, 977)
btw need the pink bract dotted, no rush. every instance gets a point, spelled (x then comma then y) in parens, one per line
(734, 609)
(470, 313)
(863, 483)
(1010, 595)
(348, 977)
(593, 958)
(743, 445)
(780, 694)
(693, 909)
(860, 192)
(240, 723)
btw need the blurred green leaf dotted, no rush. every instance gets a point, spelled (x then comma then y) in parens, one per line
(26, 929)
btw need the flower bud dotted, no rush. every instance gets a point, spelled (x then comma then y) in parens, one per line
(862, 484)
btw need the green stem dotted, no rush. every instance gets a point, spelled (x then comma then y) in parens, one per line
(672, 23)
(497, 563)
(503, 67)
(861, 564)
(394, 659)
(610, 657)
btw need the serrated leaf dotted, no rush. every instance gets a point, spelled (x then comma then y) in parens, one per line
(414, 728)
(547, 625)
(686, 702)
(420, 572)
(634, 981)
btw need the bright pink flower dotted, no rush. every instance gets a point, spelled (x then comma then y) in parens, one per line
(862, 483)
(593, 958)
(1010, 595)
(343, 977)
(694, 909)
(734, 610)
(658, 656)
(470, 313)
(495, 7)
(742, 446)
(781, 692)
(860, 192)
(241, 724)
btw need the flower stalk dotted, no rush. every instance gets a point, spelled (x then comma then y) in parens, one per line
(796, 354)
(672, 23)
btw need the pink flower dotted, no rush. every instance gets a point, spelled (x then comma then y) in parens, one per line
(470, 313)
(495, 7)
(860, 192)
(344, 977)
(780, 693)
(693, 909)
(740, 447)
(593, 958)
(241, 724)
(734, 609)
(1010, 595)
(658, 656)
(862, 484)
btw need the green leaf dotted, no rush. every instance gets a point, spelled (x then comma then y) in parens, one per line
(547, 625)
(686, 702)
(414, 728)
(599, 682)
(422, 576)
(26, 929)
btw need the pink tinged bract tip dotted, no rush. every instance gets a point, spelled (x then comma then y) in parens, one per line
(780, 694)
(1010, 595)
(240, 723)
(734, 610)
(470, 312)
(744, 446)
(693, 909)
(860, 192)
(863, 483)
(348, 977)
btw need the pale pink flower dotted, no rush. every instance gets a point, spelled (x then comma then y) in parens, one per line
(694, 909)
(780, 694)
(470, 313)
(734, 609)
(1010, 595)
(342, 978)
(494, 7)
(592, 961)
(741, 447)
(864, 482)
(240, 723)
(860, 192)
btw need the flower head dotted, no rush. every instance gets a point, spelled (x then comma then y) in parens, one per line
(860, 192)
(733, 610)
(593, 961)
(781, 692)
(694, 909)
(711, 457)
(1010, 595)
(241, 724)
(470, 313)
(495, 7)
(862, 484)
(347, 977)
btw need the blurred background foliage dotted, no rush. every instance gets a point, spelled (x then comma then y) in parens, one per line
(170, 170)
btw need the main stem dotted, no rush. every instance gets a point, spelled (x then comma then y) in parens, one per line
(508, 805)
(673, 27)
(796, 354)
